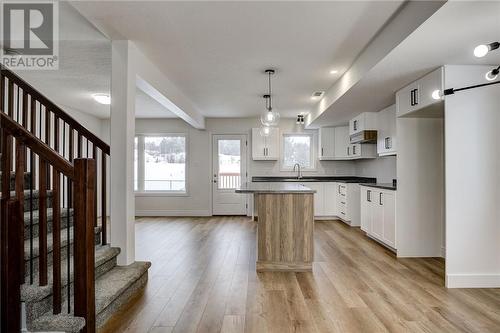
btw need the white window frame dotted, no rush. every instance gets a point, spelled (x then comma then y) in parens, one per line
(140, 163)
(313, 166)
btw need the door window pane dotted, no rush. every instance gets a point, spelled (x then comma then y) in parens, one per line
(165, 163)
(297, 149)
(229, 176)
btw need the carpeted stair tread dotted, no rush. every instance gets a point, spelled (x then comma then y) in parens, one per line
(36, 214)
(34, 292)
(64, 242)
(58, 323)
(115, 282)
(111, 291)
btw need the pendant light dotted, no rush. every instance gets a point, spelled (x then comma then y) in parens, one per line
(269, 117)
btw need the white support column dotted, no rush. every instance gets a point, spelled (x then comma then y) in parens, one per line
(123, 87)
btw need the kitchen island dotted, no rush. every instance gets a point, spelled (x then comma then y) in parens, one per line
(285, 225)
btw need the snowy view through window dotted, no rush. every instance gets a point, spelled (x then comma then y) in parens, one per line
(229, 164)
(165, 163)
(297, 149)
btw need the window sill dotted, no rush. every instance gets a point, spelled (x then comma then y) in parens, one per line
(161, 194)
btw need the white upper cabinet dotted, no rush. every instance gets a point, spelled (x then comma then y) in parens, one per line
(366, 121)
(265, 147)
(342, 143)
(418, 95)
(386, 139)
(361, 151)
(326, 143)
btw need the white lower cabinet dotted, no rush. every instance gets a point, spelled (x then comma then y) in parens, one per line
(347, 202)
(378, 214)
(319, 197)
(329, 201)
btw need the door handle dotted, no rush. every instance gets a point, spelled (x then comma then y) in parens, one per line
(416, 96)
(321, 151)
(348, 151)
(380, 199)
(368, 195)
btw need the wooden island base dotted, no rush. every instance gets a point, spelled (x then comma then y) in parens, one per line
(285, 231)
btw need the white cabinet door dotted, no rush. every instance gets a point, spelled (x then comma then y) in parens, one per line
(365, 206)
(318, 197)
(330, 199)
(357, 124)
(386, 142)
(272, 144)
(377, 216)
(342, 142)
(326, 143)
(258, 145)
(406, 99)
(427, 85)
(389, 204)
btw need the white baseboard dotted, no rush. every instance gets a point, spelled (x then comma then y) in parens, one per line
(173, 213)
(473, 280)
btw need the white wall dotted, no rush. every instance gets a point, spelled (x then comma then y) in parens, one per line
(198, 199)
(382, 168)
(472, 180)
(420, 195)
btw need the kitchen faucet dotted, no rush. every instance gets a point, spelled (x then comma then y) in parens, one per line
(299, 172)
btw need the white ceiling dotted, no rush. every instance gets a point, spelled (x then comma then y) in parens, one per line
(447, 37)
(85, 69)
(215, 52)
(147, 107)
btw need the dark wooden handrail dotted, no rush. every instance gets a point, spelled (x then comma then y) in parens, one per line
(36, 145)
(56, 110)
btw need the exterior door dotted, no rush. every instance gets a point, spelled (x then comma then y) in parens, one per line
(229, 171)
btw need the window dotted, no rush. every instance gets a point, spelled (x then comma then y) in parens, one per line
(160, 163)
(297, 148)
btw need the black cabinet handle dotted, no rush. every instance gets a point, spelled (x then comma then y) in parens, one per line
(348, 151)
(368, 196)
(355, 125)
(380, 199)
(321, 151)
(354, 150)
(412, 97)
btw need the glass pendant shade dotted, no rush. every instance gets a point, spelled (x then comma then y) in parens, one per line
(270, 118)
(265, 131)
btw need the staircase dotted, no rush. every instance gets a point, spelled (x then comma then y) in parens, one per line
(58, 272)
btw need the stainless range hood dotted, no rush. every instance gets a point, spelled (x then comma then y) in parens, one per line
(369, 136)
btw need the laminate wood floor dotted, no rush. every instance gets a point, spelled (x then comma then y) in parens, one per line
(203, 279)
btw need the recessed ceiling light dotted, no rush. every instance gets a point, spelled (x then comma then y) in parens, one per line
(334, 71)
(102, 98)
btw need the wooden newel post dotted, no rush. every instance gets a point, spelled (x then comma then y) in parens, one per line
(11, 268)
(84, 202)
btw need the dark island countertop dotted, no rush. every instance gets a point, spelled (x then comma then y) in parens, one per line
(273, 188)
(338, 179)
(384, 186)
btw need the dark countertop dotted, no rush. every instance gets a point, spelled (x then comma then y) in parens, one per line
(338, 179)
(384, 186)
(273, 188)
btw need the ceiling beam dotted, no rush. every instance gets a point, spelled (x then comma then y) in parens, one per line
(406, 20)
(155, 84)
